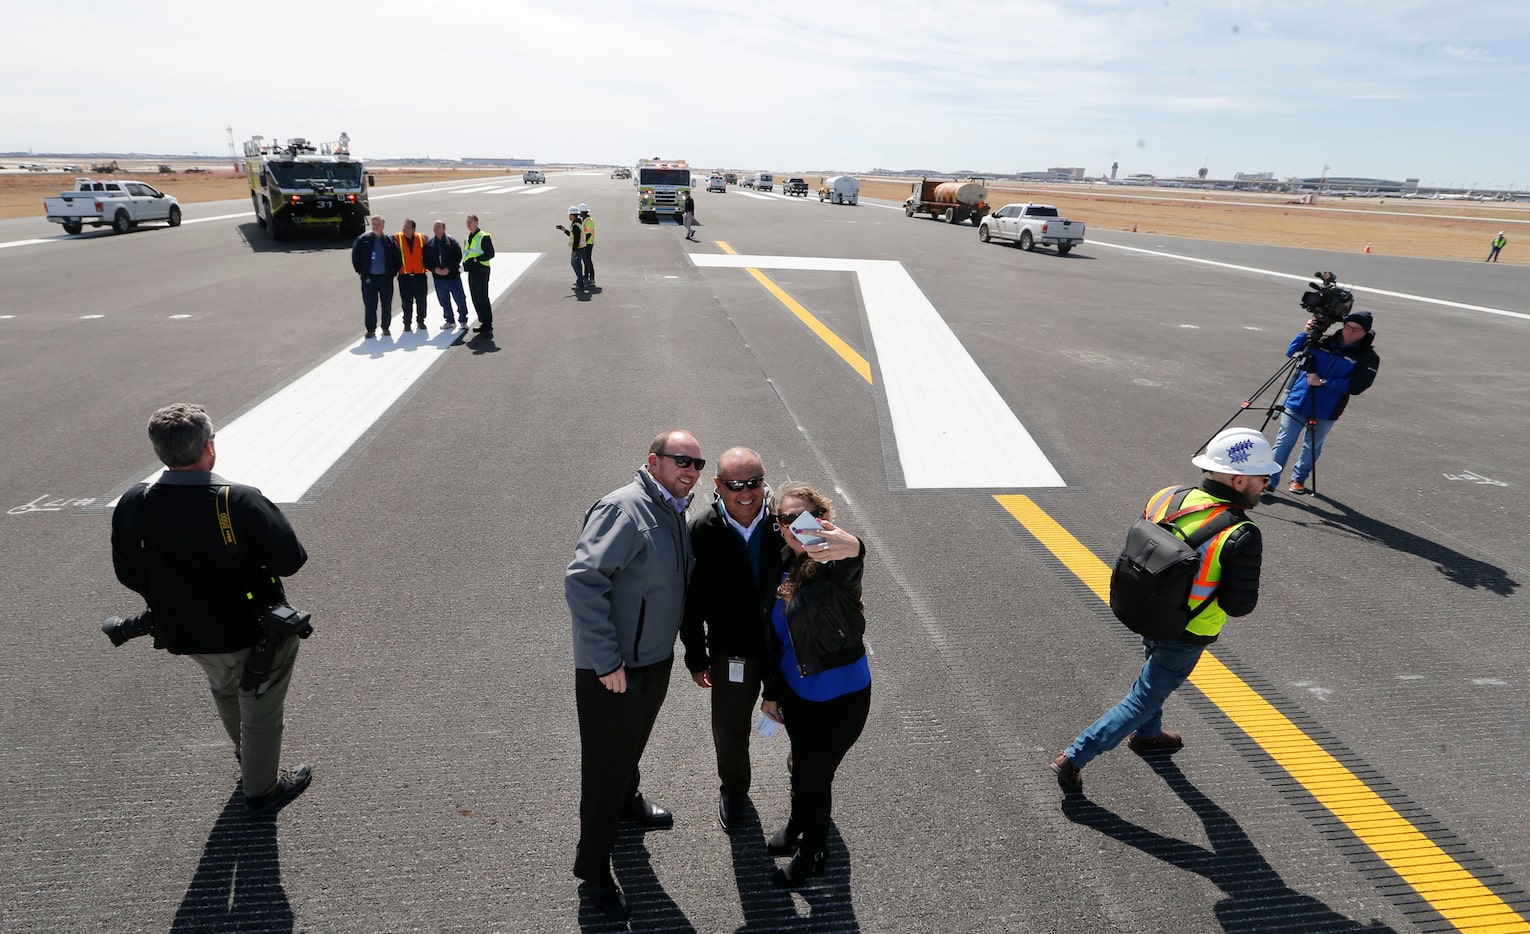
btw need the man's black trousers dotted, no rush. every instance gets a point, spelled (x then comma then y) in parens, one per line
(478, 289)
(411, 294)
(732, 722)
(613, 730)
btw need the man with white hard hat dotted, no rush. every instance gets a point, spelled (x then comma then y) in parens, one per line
(589, 245)
(1499, 242)
(1237, 464)
(575, 232)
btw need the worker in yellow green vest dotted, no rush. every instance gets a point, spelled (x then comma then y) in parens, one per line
(589, 245)
(1499, 242)
(1237, 466)
(477, 251)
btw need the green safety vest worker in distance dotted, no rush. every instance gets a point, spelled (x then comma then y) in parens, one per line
(473, 249)
(1500, 242)
(1208, 622)
(589, 230)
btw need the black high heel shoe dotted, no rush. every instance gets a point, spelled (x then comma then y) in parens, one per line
(802, 867)
(784, 841)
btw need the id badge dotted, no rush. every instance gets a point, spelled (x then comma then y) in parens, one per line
(736, 670)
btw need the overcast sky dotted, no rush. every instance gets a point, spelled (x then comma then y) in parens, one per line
(1387, 88)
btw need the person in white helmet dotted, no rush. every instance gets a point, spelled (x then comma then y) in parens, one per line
(1499, 242)
(589, 245)
(575, 232)
(1237, 465)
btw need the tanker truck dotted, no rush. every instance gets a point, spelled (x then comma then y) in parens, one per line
(952, 202)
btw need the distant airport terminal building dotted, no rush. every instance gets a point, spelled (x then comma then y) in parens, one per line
(1360, 185)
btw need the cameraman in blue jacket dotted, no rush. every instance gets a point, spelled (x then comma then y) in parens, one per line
(1343, 364)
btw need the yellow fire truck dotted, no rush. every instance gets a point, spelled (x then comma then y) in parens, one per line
(301, 185)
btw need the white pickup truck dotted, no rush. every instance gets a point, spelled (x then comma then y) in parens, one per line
(122, 204)
(1030, 224)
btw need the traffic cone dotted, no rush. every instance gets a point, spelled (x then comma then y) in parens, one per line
(1134, 228)
(1367, 248)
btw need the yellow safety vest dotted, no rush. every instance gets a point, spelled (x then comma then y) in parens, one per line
(589, 231)
(472, 249)
(1208, 622)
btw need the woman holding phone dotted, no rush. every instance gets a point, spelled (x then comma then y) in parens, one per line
(818, 682)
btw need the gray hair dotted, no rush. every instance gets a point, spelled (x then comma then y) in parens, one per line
(180, 433)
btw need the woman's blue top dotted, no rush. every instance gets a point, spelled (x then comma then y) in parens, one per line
(827, 684)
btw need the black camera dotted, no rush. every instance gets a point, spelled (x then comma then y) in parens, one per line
(1327, 302)
(120, 629)
(278, 623)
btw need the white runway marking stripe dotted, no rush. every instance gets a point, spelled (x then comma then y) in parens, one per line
(1407, 296)
(288, 442)
(540, 189)
(952, 428)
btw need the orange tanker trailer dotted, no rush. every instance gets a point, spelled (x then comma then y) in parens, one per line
(952, 202)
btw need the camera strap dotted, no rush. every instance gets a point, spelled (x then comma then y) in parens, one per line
(225, 521)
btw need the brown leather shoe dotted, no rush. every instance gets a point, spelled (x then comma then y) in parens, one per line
(1069, 776)
(1165, 743)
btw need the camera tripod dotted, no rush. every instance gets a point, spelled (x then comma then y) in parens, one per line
(1286, 378)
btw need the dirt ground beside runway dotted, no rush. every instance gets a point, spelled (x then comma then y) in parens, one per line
(22, 195)
(1344, 224)
(1439, 230)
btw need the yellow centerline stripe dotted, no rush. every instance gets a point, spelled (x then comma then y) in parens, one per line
(1449, 888)
(845, 351)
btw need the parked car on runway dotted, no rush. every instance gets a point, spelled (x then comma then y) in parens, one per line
(764, 182)
(121, 204)
(533, 177)
(796, 187)
(1029, 224)
(717, 183)
(622, 173)
(748, 181)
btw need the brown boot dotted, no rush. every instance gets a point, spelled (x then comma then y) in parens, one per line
(1166, 743)
(1069, 776)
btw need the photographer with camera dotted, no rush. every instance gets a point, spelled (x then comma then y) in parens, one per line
(207, 556)
(1338, 366)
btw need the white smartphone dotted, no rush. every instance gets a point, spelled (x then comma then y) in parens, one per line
(804, 527)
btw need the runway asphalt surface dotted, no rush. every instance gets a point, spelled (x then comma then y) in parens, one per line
(435, 699)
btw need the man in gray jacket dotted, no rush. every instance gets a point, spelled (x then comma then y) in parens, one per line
(626, 593)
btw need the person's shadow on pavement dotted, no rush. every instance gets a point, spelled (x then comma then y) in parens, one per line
(1457, 568)
(652, 908)
(767, 908)
(238, 882)
(1258, 901)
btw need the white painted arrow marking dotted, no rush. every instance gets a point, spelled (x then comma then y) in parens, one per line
(952, 428)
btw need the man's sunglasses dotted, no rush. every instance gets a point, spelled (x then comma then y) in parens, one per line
(753, 483)
(685, 460)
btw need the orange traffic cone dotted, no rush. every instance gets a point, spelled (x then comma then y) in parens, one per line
(1134, 228)
(1367, 248)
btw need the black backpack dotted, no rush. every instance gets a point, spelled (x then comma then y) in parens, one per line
(1150, 586)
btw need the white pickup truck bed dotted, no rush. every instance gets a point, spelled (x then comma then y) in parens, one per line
(121, 204)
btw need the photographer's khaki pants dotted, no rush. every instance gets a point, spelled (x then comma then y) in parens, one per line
(253, 719)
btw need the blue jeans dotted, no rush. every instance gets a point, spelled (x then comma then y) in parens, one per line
(576, 260)
(447, 288)
(1291, 427)
(1141, 710)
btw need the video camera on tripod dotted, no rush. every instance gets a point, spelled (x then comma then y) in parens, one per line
(1327, 301)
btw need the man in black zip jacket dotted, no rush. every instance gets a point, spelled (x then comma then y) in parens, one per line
(208, 589)
(727, 612)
